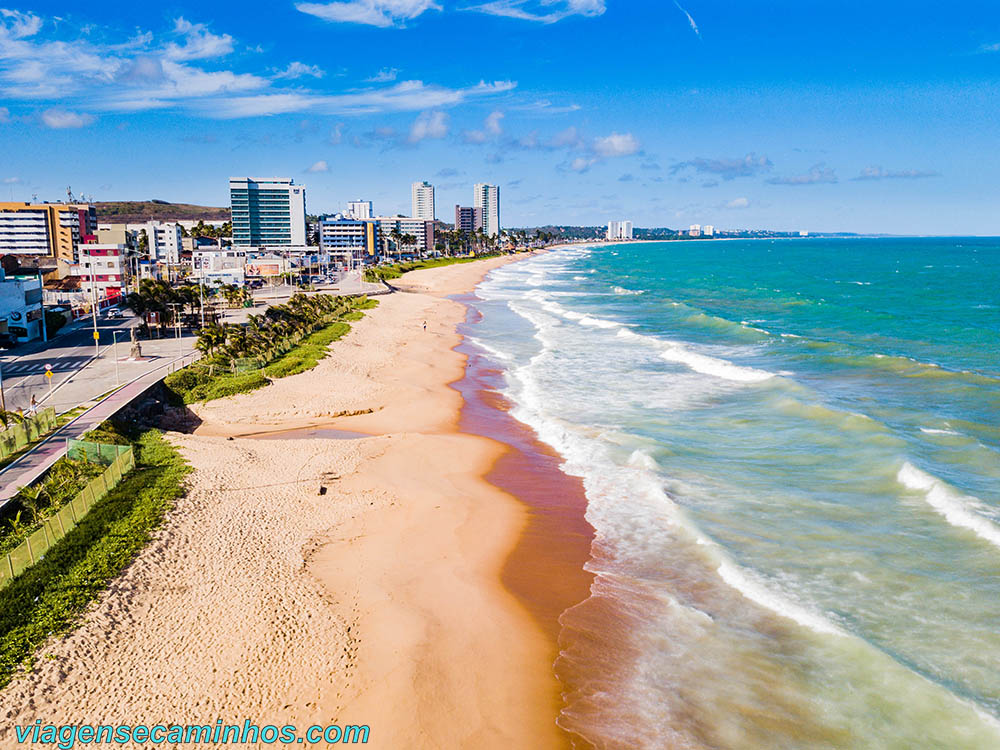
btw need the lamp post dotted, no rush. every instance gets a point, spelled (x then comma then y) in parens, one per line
(93, 308)
(114, 353)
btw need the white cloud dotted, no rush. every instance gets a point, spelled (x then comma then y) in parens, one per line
(738, 203)
(694, 26)
(299, 70)
(142, 74)
(61, 119)
(878, 173)
(4, 114)
(381, 13)
(541, 11)
(337, 134)
(568, 138)
(817, 174)
(494, 123)
(12, 180)
(386, 75)
(616, 144)
(429, 125)
(581, 164)
(320, 166)
(199, 42)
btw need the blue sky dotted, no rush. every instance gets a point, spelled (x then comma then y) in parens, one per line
(788, 114)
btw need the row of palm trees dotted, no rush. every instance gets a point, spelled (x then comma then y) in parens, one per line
(161, 297)
(264, 334)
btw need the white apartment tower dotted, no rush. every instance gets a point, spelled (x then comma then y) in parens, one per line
(487, 199)
(359, 210)
(619, 230)
(422, 200)
(164, 242)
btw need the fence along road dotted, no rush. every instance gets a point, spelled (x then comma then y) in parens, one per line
(31, 466)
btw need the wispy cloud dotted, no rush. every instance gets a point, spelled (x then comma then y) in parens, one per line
(616, 144)
(694, 26)
(492, 128)
(62, 119)
(320, 166)
(142, 74)
(817, 174)
(541, 11)
(428, 125)
(380, 13)
(385, 75)
(878, 173)
(300, 70)
(4, 114)
(736, 203)
(728, 169)
(198, 42)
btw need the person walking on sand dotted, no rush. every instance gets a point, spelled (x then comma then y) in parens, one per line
(425, 325)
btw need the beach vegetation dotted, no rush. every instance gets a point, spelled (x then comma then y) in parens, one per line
(286, 340)
(49, 597)
(395, 270)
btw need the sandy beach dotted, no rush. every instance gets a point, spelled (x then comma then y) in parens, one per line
(379, 602)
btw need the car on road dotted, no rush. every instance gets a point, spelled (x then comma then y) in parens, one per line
(114, 312)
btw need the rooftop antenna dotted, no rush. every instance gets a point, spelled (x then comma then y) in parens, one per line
(34, 197)
(69, 194)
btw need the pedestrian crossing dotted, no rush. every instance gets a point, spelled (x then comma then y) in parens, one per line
(37, 368)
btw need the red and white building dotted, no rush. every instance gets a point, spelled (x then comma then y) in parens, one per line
(102, 270)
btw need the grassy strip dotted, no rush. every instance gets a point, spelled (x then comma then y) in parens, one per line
(34, 505)
(49, 597)
(395, 270)
(194, 384)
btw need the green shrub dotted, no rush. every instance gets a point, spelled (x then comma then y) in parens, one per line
(49, 597)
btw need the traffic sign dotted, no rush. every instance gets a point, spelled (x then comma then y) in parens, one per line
(48, 374)
(96, 335)
(48, 366)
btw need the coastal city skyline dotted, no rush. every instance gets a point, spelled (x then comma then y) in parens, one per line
(693, 122)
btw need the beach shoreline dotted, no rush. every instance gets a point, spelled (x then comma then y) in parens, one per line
(314, 581)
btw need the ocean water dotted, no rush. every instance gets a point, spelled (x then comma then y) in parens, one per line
(791, 455)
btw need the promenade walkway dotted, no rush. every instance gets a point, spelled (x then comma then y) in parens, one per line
(32, 465)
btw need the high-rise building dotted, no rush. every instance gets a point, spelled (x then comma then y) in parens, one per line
(359, 210)
(51, 232)
(468, 219)
(694, 230)
(267, 212)
(708, 230)
(619, 230)
(487, 199)
(422, 201)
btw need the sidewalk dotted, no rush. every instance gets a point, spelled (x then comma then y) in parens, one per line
(31, 466)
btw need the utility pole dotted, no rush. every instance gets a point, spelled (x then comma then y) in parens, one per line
(41, 291)
(3, 402)
(93, 308)
(114, 353)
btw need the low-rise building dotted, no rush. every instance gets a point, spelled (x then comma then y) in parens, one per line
(340, 234)
(164, 240)
(21, 306)
(102, 270)
(422, 230)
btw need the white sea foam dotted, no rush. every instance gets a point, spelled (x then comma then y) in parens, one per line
(755, 591)
(934, 431)
(622, 290)
(955, 507)
(489, 349)
(719, 368)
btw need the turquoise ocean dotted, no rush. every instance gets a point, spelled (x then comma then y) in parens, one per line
(791, 456)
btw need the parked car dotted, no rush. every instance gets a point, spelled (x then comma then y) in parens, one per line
(114, 312)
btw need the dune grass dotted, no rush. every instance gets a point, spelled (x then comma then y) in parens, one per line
(49, 597)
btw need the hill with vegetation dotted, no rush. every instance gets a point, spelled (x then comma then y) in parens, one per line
(134, 212)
